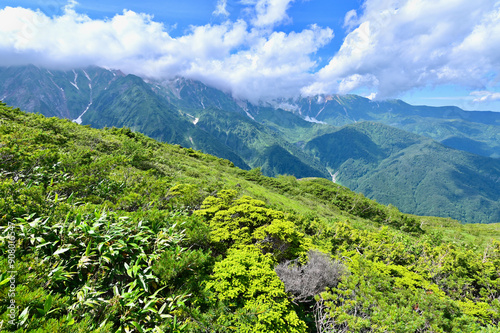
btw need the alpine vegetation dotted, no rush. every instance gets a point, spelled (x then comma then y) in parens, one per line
(111, 231)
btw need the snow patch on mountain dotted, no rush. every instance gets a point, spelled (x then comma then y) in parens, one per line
(75, 83)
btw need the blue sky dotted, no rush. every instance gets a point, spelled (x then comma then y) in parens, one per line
(433, 52)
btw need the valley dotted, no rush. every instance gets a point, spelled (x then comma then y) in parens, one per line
(382, 149)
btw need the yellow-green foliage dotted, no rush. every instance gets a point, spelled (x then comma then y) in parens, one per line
(400, 286)
(246, 282)
(244, 221)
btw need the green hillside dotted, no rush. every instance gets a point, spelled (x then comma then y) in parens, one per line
(64, 94)
(131, 102)
(474, 132)
(111, 231)
(385, 163)
(414, 173)
(417, 175)
(256, 144)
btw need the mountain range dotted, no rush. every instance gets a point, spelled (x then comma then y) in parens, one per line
(424, 160)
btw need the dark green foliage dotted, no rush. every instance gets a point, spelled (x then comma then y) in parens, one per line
(118, 107)
(470, 145)
(182, 269)
(278, 161)
(259, 146)
(475, 132)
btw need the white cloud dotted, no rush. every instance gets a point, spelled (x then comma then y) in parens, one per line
(313, 120)
(350, 19)
(221, 9)
(269, 12)
(393, 46)
(74, 39)
(273, 66)
(399, 45)
(251, 63)
(485, 96)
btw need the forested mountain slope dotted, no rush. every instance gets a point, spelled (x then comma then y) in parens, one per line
(295, 137)
(64, 94)
(477, 132)
(387, 164)
(111, 231)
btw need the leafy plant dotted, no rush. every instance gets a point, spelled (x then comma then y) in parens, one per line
(246, 281)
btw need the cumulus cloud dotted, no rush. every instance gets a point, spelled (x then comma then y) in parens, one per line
(391, 47)
(274, 66)
(271, 12)
(372, 96)
(398, 45)
(350, 19)
(73, 39)
(237, 56)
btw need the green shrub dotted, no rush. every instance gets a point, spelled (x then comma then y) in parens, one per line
(244, 221)
(246, 283)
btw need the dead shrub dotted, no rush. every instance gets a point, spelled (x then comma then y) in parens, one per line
(306, 281)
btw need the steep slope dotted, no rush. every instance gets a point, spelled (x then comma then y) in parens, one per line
(133, 103)
(293, 128)
(470, 145)
(290, 137)
(168, 111)
(130, 102)
(194, 96)
(64, 94)
(257, 144)
(414, 173)
(238, 124)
